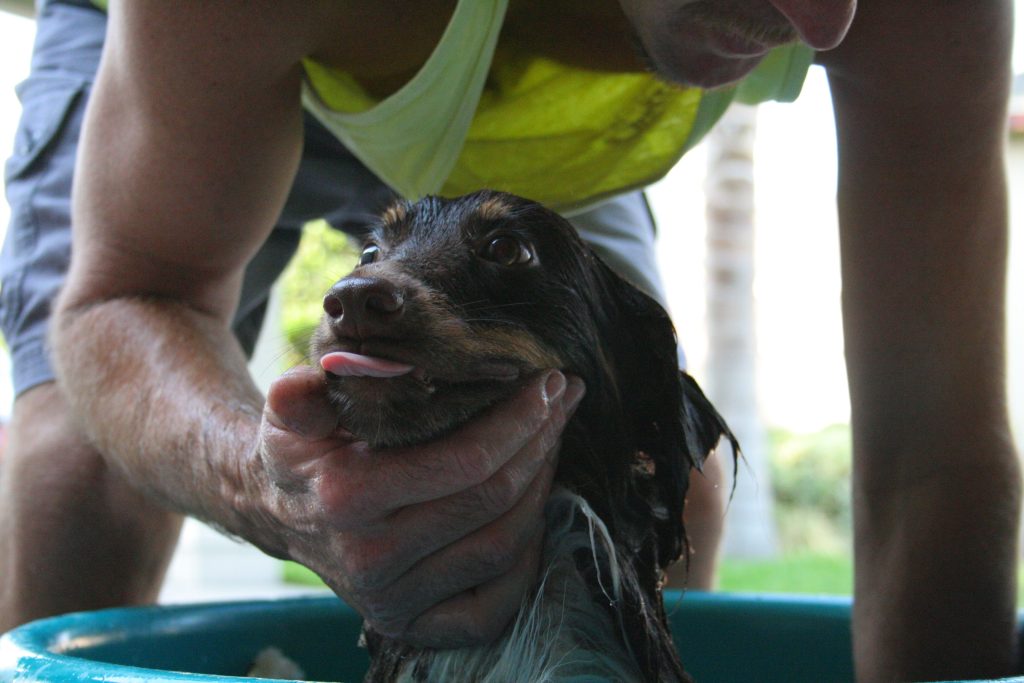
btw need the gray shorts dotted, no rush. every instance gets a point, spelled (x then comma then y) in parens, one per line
(330, 184)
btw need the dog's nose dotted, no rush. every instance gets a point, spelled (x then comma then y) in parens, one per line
(363, 306)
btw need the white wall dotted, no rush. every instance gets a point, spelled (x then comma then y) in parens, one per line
(801, 376)
(801, 379)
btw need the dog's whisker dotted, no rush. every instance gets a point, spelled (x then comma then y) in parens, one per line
(496, 321)
(491, 304)
(495, 307)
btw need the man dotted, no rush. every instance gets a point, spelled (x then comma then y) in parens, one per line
(188, 151)
(101, 543)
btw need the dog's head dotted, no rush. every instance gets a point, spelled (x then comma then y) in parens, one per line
(455, 302)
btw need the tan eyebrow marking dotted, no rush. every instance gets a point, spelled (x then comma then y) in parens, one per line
(493, 209)
(395, 213)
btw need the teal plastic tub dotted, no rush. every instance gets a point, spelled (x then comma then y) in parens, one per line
(722, 638)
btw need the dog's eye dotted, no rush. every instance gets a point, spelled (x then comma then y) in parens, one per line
(369, 255)
(507, 251)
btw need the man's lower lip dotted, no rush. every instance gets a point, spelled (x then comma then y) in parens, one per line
(729, 44)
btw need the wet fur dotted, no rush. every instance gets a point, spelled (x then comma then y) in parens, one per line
(477, 330)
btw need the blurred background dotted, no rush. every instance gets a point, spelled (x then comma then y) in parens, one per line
(748, 246)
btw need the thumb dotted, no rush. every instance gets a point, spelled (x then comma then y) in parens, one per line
(297, 402)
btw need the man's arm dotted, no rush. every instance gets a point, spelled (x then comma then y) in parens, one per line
(184, 160)
(191, 141)
(920, 91)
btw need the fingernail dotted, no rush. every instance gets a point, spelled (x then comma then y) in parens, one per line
(554, 386)
(574, 393)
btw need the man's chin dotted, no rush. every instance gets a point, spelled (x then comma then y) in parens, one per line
(709, 72)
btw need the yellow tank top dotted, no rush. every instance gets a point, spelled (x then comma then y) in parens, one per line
(478, 115)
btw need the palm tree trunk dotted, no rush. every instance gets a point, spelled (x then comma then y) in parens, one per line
(732, 342)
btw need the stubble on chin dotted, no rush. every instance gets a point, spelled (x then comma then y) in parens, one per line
(676, 51)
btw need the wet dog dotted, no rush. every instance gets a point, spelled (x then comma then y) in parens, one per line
(453, 306)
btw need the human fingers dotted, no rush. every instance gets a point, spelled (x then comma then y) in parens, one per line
(471, 455)
(424, 571)
(502, 555)
(474, 453)
(299, 428)
(480, 614)
(428, 526)
(393, 568)
(298, 404)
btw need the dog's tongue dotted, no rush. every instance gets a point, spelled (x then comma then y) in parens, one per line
(346, 364)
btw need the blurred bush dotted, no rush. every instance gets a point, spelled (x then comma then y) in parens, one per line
(811, 479)
(325, 255)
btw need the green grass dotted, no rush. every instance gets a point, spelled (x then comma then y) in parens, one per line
(808, 573)
(818, 574)
(802, 573)
(822, 574)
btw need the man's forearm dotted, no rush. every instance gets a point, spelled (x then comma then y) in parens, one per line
(923, 242)
(164, 393)
(936, 479)
(187, 152)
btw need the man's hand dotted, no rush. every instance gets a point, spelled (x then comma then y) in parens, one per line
(434, 544)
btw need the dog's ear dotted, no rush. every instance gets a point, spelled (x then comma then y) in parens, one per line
(702, 425)
(672, 424)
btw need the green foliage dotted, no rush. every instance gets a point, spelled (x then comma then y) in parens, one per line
(811, 480)
(324, 256)
(295, 573)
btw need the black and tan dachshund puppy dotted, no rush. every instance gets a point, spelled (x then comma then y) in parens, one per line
(454, 304)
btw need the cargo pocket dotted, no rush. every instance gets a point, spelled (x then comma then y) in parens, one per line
(47, 101)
